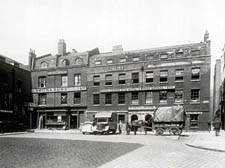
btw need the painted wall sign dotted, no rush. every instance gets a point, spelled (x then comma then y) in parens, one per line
(57, 72)
(116, 68)
(62, 89)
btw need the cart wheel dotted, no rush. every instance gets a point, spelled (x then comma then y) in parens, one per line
(159, 131)
(175, 131)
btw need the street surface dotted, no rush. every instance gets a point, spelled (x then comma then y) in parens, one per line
(61, 150)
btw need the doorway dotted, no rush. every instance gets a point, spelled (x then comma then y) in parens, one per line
(73, 122)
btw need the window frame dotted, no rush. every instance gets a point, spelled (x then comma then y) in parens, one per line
(78, 83)
(64, 82)
(121, 98)
(108, 82)
(162, 76)
(108, 98)
(63, 102)
(151, 78)
(96, 99)
(163, 98)
(95, 81)
(123, 80)
(40, 82)
(135, 80)
(77, 100)
(193, 95)
(134, 98)
(39, 98)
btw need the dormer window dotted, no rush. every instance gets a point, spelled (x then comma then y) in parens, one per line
(109, 61)
(44, 65)
(163, 56)
(135, 59)
(99, 62)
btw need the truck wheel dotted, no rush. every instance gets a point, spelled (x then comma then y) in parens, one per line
(175, 131)
(159, 131)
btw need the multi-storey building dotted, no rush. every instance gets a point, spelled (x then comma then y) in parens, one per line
(15, 95)
(134, 83)
(71, 87)
(59, 87)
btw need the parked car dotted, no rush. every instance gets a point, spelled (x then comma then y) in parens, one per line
(88, 127)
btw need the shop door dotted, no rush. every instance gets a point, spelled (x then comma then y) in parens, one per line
(73, 122)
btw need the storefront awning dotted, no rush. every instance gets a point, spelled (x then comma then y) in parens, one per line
(103, 115)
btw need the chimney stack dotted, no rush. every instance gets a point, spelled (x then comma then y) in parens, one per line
(61, 47)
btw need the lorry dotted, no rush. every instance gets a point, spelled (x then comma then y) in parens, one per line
(166, 118)
(106, 122)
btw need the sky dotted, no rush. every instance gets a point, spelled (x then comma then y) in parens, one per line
(87, 24)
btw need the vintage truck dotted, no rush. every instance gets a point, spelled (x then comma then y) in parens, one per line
(166, 118)
(106, 122)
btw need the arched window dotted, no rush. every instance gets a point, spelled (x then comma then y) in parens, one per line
(134, 117)
(44, 65)
(148, 117)
(65, 62)
(78, 61)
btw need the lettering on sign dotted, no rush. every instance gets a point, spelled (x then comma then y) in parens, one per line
(193, 112)
(6, 111)
(57, 72)
(63, 89)
(116, 68)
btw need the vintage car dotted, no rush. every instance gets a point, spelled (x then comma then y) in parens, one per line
(88, 127)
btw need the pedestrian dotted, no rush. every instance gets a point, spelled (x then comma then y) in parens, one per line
(217, 125)
(209, 126)
(120, 127)
(128, 128)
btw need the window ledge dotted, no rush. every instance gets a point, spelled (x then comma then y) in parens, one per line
(108, 104)
(198, 102)
(121, 104)
(42, 105)
(179, 81)
(195, 80)
(164, 82)
(96, 105)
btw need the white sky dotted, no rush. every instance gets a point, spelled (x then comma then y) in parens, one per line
(86, 24)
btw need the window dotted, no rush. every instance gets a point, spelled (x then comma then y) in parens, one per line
(179, 54)
(121, 98)
(195, 73)
(194, 120)
(63, 98)
(149, 77)
(163, 96)
(195, 95)
(163, 76)
(108, 79)
(77, 98)
(18, 86)
(99, 62)
(44, 65)
(65, 62)
(96, 80)
(179, 96)
(135, 59)
(77, 79)
(108, 98)
(149, 57)
(42, 99)
(96, 98)
(42, 82)
(179, 75)
(122, 79)
(109, 61)
(163, 56)
(64, 80)
(135, 77)
(148, 97)
(122, 60)
(134, 98)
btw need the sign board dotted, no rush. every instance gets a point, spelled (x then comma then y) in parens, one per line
(6, 111)
(116, 68)
(62, 89)
(194, 112)
(57, 73)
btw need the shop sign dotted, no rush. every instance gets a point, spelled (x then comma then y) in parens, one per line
(194, 112)
(116, 68)
(142, 108)
(57, 73)
(62, 89)
(6, 111)
(139, 89)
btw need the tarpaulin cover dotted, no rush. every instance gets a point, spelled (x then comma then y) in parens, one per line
(168, 114)
(103, 115)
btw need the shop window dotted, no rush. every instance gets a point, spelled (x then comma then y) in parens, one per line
(163, 96)
(96, 80)
(135, 59)
(108, 98)
(195, 73)
(163, 76)
(135, 77)
(121, 117)
(134, 98)
(195, 95)
(108, 79)
(42, 99)
(109, 61)
(63, 98)
(179, 96)
(194, 120)
(77, 79)
(64, 80)
(96, 99)
(148, 97)
(179, 75)
(42, 82)
(121, 98)
(44, 65)
(149, 77)
(77, 98)
(99, 62)
(123, 60)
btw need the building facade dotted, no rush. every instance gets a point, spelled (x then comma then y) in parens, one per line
(70, 87)
(15, 95)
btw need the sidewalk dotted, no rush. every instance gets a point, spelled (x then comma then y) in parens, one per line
(206, 140)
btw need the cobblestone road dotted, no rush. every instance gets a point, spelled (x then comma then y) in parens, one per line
(47, 153)
(117, 151)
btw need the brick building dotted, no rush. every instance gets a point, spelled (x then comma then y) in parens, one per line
(15, 95)
(134, 83)
(71, 87)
